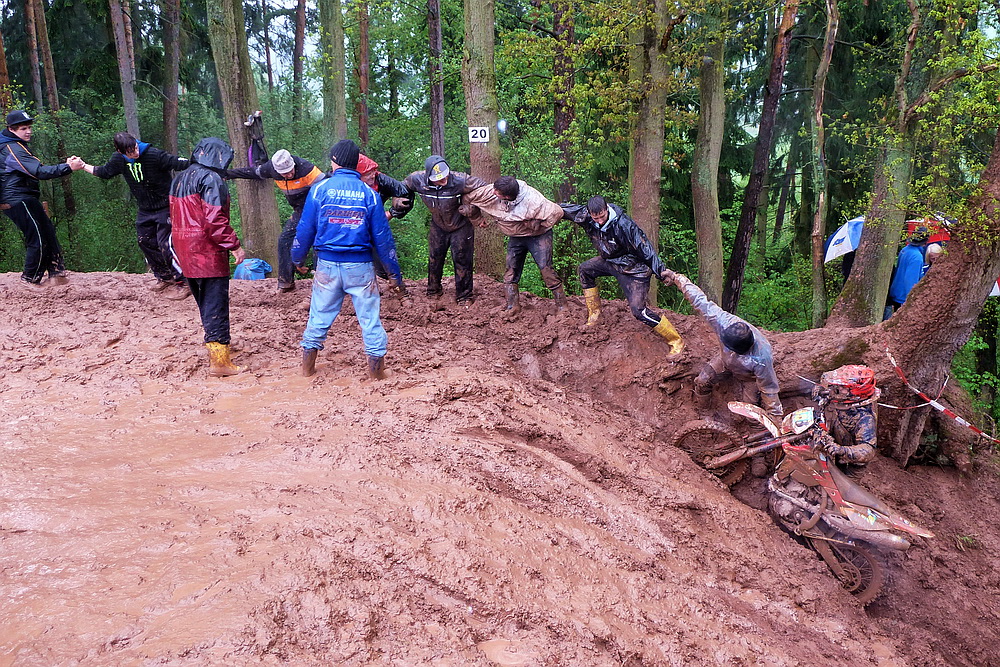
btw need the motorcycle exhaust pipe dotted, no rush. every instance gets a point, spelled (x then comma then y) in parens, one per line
(744, 453)
(878, 538)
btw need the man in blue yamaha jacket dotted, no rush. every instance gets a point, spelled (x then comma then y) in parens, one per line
(344, 221)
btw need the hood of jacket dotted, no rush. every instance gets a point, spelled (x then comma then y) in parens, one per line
(212, 153)
(430, 162)
(8, 137)
(142, 146)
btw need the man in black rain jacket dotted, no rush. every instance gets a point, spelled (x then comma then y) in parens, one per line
(22, 172)
(441, 191)
(625, 254)
(148, 171)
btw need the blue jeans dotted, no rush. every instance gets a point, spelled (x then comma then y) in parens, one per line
(333, 280)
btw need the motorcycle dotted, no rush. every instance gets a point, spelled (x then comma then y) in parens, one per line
(809, 496)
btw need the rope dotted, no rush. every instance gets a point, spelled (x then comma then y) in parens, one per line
(933, 402)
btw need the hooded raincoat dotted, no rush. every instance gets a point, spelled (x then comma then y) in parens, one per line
(199, 209)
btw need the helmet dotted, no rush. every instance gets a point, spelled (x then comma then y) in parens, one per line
(850, 383)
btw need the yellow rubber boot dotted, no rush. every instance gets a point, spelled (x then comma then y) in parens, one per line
(667, 330)
(220, 365)
(592, 295)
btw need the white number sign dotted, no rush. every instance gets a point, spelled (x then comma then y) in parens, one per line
(479, 135)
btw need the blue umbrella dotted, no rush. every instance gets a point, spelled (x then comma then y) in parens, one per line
(845, 240)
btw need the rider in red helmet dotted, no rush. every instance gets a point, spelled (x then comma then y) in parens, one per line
(851, 415)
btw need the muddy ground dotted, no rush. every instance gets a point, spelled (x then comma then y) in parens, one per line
(503, 498)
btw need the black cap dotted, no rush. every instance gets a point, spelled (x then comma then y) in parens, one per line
(738, 337)
(18, 117)
(345, 153)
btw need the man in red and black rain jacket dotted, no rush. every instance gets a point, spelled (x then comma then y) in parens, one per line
(203, 239)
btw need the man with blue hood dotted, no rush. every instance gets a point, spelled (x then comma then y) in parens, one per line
(148, 171)
(203, 240)
(441, 190)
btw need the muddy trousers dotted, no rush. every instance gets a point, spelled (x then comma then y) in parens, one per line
(540, 248)
(286, 269)
(636, 289)
(461, 242)
(212, 297)
(715, 371)
(152, 230)
(41, 247)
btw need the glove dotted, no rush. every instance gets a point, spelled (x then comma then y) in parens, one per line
(832, 448)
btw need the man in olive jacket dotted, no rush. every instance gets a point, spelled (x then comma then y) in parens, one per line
(441, 190)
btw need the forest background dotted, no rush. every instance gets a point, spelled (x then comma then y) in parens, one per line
(738, 134)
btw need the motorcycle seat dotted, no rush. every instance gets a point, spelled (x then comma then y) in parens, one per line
(853, 493)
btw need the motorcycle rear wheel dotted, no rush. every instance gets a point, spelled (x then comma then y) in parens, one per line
(704, 440)
(861, 574)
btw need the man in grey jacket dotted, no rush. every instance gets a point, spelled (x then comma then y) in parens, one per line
(744, 353)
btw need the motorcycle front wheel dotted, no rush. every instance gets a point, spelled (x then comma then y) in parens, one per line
(704, 440)
(855, 568)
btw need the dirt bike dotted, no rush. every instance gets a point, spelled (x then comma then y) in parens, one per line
(808, 496)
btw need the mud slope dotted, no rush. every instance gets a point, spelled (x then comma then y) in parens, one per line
(502, 499)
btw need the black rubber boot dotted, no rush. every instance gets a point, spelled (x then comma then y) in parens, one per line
(309, 362)
(513, 300)
(376, 367)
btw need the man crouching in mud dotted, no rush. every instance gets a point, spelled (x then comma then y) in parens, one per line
(744, 352)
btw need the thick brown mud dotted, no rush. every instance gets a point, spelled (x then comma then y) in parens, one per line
(503, 498)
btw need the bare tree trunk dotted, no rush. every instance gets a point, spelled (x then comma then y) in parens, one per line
(741, 246)
(363, 60)
(763, 203)
(5, 97)
(787, 183)
(331, 21)
(705, 162)
(650, 69)
(267, 45)
(298, 50)
(171, 72)
(393, 79)
(53, 96)
(126, 8)
(482, 110)
(563, 79)
(126, 72)
(258, 208)
(33, 63)
(435, 76)
(819, 165)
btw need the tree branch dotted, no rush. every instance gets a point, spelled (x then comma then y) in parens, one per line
(959, 73)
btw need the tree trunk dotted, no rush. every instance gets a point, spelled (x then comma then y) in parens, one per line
(364, 69)
(787, 183)
(803, 221)
(53, 96)
(33, 63)
(334, 82)
(862, 300)
(435, 76)
(5, 97)
(267, 44)
(257, 205)
(650, 69)
(126, 8)
(171, 22)
(563, 80)
(126, 71)
(298, 50)
(705, 162)
(763, 203)
(482, 110)
(819, 165)
(762, 152)
(392, 78)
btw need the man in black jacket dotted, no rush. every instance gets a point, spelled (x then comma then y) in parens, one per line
(441, 191)
(627, 255)
(293, 176)
(21, 172)
(148, 171)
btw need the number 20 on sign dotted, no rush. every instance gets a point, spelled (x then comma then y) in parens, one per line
(479, 135)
